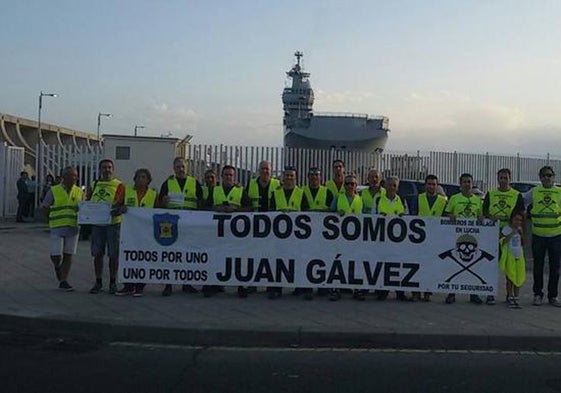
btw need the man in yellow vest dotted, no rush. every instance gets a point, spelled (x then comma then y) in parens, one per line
(337, 184)
(286, 198)
(348, 202)
(318, 199)
(60, 205)
(374, 190)
(260, 189)
(390, 204)
(106, 189)
(499, 204)
(183, 192)
(544, 209)
(464, 204)
(138, 195)
(228, 197)
(429, 204)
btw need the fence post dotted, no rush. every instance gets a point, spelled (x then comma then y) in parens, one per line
(518, 167)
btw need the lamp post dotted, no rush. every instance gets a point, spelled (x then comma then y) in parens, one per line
(38, 154)
(99, 121)
(136, 128)
(41, 95)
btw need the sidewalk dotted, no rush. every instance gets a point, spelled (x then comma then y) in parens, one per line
(30, 302)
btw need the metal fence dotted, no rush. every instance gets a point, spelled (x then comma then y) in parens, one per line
(54, 158)
(11, 164)
(448, 166)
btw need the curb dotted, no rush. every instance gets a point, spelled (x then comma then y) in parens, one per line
(106, 333)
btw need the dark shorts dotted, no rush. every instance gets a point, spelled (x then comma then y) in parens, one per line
(105, 237)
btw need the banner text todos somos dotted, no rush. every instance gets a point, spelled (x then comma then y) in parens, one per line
(309, 250)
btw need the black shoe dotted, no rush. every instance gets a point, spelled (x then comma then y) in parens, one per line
(358, 294)
(96, 289)
(334, 295)
(490, 300)
(209, 290)
(273, 294)
(297, 291)
(475, 299)
(451, 298)
(401, 297)
(66, 286)
(189, 289)
(416, 297)
(242, 292)
(323, 291)
(381, 295)
(167, 290)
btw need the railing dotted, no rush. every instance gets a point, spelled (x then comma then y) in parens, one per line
(448, 166)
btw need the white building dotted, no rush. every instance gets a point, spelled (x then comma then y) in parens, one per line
(130, 153)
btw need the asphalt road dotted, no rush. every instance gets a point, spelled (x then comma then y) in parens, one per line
(42, 364)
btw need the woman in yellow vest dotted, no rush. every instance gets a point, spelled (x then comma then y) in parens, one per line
(139, 195)
(61, 208)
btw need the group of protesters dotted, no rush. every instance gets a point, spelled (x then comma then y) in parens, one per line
(339, 194)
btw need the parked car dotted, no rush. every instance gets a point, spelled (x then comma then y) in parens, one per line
(524, 186)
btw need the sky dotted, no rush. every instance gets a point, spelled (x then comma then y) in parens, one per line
(469, 76)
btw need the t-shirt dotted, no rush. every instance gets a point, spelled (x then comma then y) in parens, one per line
(515, 241)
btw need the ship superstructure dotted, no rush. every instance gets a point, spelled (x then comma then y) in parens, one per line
(304, 128)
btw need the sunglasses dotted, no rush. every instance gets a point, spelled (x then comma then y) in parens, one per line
(548, 175)
(351, 183)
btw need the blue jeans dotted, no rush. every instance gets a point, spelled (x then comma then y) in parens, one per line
(552, 246)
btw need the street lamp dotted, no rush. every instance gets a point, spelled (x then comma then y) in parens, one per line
(136, 128)
(99, 121)
(38, 154)
(41, 95)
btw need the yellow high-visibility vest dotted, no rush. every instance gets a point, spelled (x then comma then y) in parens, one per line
(64, 210)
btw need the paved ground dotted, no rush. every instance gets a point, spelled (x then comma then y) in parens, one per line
(30, 302)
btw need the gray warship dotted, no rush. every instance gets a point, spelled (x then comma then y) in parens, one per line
(304, 128)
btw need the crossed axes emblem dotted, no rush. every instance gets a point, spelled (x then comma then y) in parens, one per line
(466, 247)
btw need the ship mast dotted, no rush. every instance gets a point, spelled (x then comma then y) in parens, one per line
(298, 99)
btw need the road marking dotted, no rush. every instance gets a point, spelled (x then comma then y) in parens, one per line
(350, 349)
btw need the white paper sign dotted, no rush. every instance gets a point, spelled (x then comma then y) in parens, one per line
(94, 213)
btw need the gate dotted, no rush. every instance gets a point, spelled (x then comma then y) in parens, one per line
(11, 164)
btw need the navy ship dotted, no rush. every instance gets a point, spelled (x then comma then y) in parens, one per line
(304, 128)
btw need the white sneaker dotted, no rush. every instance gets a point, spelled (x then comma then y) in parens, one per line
(554, 302)
(538, 300)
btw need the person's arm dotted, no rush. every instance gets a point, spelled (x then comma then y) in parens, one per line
(449, 210)
(48, 201)
(405, 206)
(119, 201)
(199, 194)
(486, 207)
(163, 197)
(333, 205)
(246, 205)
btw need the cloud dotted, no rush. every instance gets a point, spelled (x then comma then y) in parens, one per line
(162, 118)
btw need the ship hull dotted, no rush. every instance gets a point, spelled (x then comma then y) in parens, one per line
(338, 132)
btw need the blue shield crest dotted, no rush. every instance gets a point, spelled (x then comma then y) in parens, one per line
(165, 228)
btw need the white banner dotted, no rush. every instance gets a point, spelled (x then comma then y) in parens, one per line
(309, 250)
